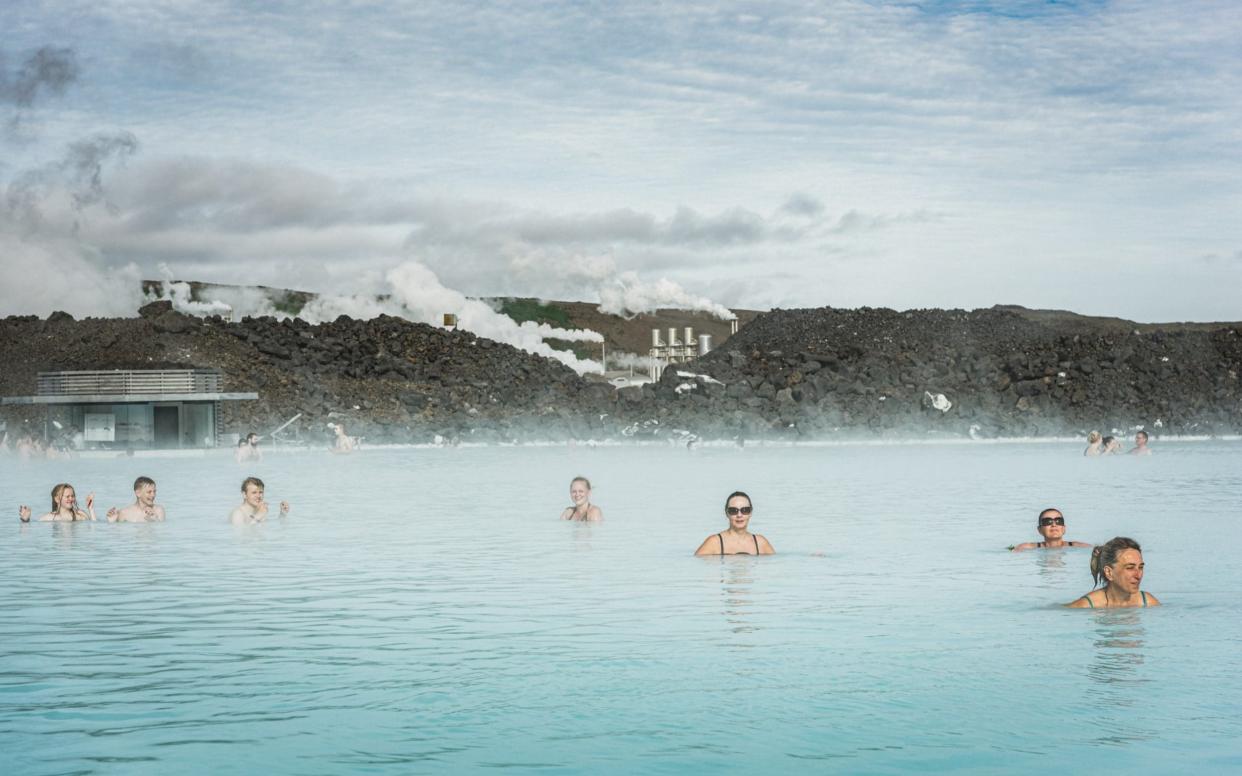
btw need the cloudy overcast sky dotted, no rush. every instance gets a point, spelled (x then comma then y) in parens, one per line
(1078, 155)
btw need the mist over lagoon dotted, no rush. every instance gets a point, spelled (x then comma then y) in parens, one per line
(425, 608)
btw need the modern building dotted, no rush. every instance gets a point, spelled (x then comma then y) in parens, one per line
(133, 409)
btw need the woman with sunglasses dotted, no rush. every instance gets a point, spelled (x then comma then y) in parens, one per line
(1118, 566)
(736, 540)
(1052, 528)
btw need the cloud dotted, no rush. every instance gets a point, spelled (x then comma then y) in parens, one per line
(68, 186)
(49, 70)
(803, 205)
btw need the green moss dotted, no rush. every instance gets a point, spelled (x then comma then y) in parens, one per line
(290, 303)
(522, 310)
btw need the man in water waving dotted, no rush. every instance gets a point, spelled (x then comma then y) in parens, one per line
(144, 509)
(253, 508)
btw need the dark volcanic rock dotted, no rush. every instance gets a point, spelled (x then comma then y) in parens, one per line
(788, 373)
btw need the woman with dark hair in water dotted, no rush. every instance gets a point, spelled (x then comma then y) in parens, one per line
(1118, 566)
(1051, 526)
(736, 540)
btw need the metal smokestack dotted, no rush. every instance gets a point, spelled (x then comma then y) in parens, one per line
(655, 338)
(672, 336)
(689, 340)
(705, 344)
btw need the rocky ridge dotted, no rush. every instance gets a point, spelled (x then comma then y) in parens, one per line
(814, 373)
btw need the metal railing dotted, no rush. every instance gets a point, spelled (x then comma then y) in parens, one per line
(126, 381)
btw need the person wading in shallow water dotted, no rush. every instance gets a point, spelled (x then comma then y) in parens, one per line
(582, 509)
(1051, 526)
(1118, 566)
(736, 540)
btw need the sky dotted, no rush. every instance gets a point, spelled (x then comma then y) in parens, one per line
(1070, 155)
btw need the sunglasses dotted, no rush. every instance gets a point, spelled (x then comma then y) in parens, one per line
(1047, 521)
(730, 511)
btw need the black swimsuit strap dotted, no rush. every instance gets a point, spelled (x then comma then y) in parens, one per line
(721, 538)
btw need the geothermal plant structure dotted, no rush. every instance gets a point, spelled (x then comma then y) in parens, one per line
(675, 350)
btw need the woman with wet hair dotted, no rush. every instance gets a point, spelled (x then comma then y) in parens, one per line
(1118, 566)
(581, 508)
(64, 507)
(736, 540)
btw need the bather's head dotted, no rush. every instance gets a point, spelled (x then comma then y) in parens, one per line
(1051, 524)
(738, 509)
(579, 490)
(144, 491)
(252, 491)
(1118, 562)
(63, 494)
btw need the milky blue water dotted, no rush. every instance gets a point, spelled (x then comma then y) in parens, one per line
(424, 611)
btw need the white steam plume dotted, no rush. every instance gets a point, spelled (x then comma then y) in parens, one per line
(417, 295)
(40, 276)
(623, 360)
(628, 296)
(426, 299)
(620, 293)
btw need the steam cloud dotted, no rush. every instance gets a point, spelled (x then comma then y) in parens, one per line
(45, 266)
(49, 70)
(628, 296)
(416, 294)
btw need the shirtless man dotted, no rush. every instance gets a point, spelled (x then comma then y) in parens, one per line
(1052, 528)
(253, 508)
(1140, 444)
(248, 449)
(144, 509)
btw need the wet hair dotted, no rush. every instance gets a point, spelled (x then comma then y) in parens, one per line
(1051, 509)
(734, 495)
(241, 442)
(1108, 440)
(1106, 555)
(252, 481)
(1142, 434)
(56, 491)
(142, 481)
(583, 480)
(253, 436)
(1093, 437)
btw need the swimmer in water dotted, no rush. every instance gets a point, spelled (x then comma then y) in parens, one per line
(1118, 565)
(1111, 445)
(253, 508)
(143, 510)
(1140, 444)
(343, 443)
(736, 540)
(248, 449)
(582, 508)
(1095, 445)
(1051, 526)
(64, 507)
